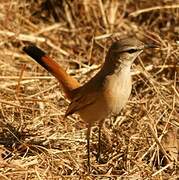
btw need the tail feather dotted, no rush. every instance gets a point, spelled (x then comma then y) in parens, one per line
(68, 82)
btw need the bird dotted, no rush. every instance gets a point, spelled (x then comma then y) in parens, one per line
(103, 95)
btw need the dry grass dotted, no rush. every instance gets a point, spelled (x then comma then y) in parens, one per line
(35, 141)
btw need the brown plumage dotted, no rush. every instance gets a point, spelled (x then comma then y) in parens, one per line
(106, 93)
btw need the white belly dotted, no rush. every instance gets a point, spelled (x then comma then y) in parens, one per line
(117, 89)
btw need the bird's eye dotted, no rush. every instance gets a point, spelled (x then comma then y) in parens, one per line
(132, 51)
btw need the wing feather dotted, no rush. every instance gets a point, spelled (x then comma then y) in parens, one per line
(81, 102)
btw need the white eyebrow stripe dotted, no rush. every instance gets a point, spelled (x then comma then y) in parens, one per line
(125, 49)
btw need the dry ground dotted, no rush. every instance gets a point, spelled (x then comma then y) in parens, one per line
(35, 141)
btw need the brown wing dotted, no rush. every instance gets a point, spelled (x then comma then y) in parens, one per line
(80, 102)
(85, 95)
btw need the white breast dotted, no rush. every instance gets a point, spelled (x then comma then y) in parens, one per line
(117, 89)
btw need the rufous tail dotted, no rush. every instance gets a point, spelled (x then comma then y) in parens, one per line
(68, 82)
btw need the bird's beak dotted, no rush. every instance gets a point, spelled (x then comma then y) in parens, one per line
(146, 46)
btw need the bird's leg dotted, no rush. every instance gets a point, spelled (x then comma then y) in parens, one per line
(88, 146)
(99, 142)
